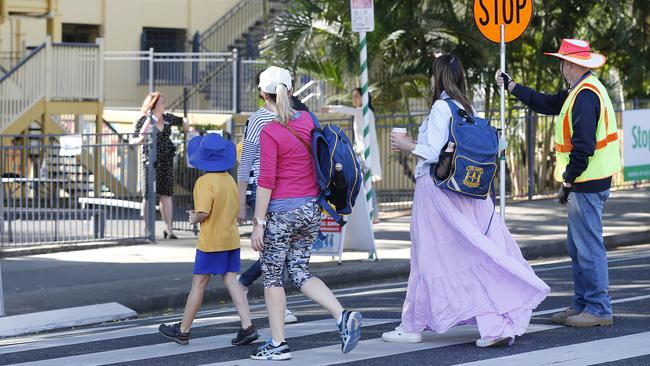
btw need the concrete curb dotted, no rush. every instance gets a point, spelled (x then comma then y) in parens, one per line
(12, 326)
(558, 247)
(349, 273)
(58, 248)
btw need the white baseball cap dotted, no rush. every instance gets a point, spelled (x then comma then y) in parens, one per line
(273, 76)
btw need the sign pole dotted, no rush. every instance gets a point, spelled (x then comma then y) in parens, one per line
(367, 177)
(2, 298)
(2, 226)
(363, 20)
(502, 158)
(492, 21)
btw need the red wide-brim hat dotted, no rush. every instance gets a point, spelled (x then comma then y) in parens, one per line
(578, 52)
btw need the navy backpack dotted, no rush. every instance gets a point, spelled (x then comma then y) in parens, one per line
(338, 170)
(473, 163)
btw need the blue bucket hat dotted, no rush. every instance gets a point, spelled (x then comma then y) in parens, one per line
(211, 153)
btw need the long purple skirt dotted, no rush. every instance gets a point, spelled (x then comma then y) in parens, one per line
(459, 275)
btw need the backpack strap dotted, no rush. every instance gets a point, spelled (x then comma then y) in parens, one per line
(293, 132)
(315, 120)
(331, 211)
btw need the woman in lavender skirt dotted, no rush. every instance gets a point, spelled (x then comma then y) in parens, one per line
(459, 273)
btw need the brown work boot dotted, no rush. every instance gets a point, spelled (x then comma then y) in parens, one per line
(585, 319)
(560, 318)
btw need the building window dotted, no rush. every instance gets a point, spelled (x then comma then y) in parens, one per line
(80, 33)
(163, 40)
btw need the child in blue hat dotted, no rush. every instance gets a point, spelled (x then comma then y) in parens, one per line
(216, 203)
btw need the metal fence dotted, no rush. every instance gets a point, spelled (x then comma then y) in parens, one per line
(530, 157)
(68, 189)
(65, 189)
(129, 76)
(59, 71)
(219, 82)
(8, 59)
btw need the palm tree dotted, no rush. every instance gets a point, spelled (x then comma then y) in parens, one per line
(315, 37)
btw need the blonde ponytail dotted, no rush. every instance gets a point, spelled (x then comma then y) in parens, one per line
(283, 104)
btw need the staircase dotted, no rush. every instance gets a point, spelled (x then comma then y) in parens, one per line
(54, 81)
(241, 29)
(60, 74)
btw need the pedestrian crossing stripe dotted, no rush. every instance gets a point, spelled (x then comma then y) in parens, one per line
(196, 345)
(373, 348)
(587, 353)
(108, 335)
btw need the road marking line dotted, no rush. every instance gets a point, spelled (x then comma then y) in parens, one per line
(579, 354)
(196, 345)
(373, 348)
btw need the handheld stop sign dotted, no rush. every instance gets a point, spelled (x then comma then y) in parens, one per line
(515, 15)
(502, 21)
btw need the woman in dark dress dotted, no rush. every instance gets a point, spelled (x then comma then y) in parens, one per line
(165, 151)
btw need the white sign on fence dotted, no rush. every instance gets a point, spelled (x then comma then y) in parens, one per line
(363, 15)
(636, 144)
(70, 145)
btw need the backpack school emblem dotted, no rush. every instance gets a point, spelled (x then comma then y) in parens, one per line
(473, 163)
(473, 176)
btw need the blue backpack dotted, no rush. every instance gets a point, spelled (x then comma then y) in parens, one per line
(473, 163)
(338, 170)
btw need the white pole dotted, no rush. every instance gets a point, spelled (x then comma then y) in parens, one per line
(502, 162)
(2, 297)
(235, 82)
(365, 105)
(367, 179)
(151, 86)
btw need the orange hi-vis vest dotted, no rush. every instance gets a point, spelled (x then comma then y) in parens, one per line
(606, 160)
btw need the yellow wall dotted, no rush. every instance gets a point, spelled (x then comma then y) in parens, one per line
(122, 20)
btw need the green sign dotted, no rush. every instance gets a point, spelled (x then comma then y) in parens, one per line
(636, 144)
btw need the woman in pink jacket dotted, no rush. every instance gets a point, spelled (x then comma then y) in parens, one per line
(287, 217)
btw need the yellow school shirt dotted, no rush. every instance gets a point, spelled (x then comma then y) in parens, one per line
(217, 195)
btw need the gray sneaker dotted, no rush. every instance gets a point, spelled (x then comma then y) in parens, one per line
(560, 318)
(350, 330)
(585, 319)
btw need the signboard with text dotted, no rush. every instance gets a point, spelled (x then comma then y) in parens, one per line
(636, 144)
(333, 232)
(70, 145)
(515, 15)
(363, 15)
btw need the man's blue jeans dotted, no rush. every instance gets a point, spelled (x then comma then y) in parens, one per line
(588, 254)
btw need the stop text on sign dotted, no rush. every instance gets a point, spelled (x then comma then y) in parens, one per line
(515, 15)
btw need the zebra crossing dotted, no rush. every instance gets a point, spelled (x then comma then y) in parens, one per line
(315, 341)
(110, 345)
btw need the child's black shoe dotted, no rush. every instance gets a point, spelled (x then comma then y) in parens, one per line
(173, 332)
(245, 336)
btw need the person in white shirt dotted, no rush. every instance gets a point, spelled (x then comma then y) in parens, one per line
(466, 268)
(374, 161)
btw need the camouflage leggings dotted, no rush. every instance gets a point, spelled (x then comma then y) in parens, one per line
(288, 239)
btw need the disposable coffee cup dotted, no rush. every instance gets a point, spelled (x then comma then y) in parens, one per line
(398, 132)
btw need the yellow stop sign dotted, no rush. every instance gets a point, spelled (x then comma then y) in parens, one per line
(515, 15)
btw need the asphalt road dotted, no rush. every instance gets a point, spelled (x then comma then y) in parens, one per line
(314, 340)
